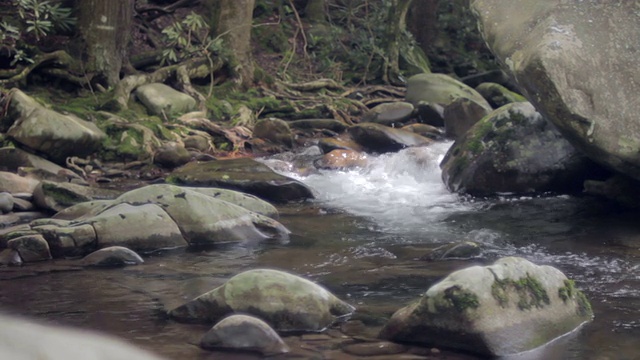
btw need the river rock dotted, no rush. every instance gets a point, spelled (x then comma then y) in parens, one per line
(13, 183)
(241, 199)
(56, 135)
(460, 115)
(274, 131)
(498, 95)
(619, 188)
(285, 301)
(460, 250)
(509, 307)
(21, 339)
(67, 241)
(342, 160)
(440, 89)
(514, 150)
(378, 138)
(430, 113)
(10, 257)
(55, 196)
(6, 202)
(242, 174)
(244, 333)
(171, 155)
(163, 100)
(113, 256)
(83, 210)
(198, 142)
(145, 227)
(205, 219)
(333, 143)
(389, 113)
(31, 248)
(428, 131)
(13, 160)
(577, 63)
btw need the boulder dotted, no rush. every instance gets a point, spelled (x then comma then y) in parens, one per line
(13, 183)
(378, 138)
(171, 155)
(333, 143)
(56, 196)
(428, 131)
(83, 210)
(13, 159)
(204, 219)
(31, 248)
(506, 308)
(241, 199)
(461, 115)
(498, 95)
(244, 333)
(56, 135)
(146, 227)
(10, 257)
(6, 202)
(319, 124)
(197, 142)
(430, 113)
(21, 339)
(163, 100)
(578, 65)
(66, 240)
(389, 113)
(514, 150)
(440, 89)
(285, 301)
(274, 131)
(242, 174)
(113, 256)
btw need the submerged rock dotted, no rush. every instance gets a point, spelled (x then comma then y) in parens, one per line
(244, 333)
(378, 138)
(577, 62)
(514, 150)
(113, 256)
(285, 301)
(342, 160)
(506, 308)
(244, 174)
(459, 250)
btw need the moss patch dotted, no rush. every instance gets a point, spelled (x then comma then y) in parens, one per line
(461, 299)
(530, 292)
(569, 292)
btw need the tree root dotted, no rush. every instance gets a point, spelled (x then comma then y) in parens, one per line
(59, 57)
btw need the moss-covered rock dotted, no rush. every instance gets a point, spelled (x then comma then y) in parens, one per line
(285, 301)
(505, 308)
(498, 95)
(440, 89)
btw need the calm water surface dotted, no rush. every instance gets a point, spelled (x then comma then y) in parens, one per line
(362, 238)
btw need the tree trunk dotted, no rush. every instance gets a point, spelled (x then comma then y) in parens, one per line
(396, 25)
(423, 22)
(104, 27)
(234, 20)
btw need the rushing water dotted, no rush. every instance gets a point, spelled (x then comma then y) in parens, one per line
(362, 238)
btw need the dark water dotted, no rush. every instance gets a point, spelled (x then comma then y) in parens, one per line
(362, 239)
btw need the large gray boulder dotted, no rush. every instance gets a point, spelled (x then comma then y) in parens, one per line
(163, 100)
(509, 307)
(52, 133)
(440, 89)
(285, 301)
(577, 62)
(514, 150)
(21, 339)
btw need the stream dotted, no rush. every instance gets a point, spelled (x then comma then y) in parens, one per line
(362, 238)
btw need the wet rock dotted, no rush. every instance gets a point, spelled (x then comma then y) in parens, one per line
(66, 240)
(389, 113)
(498, 95)
(428, 131)
(461, 115)
(6, 202)
(378, 138)
(430, 113)
(23, 205)
(145, 227)
(113, 256)
(13, 183)
(20, 218)
(54, 343)
(18, 161)
(440, 89)
(241, 199)
(319, 124)
(342, 160)
(171, 155)
(460, 250)
(55, 196)
(244, 333)
(245, 175)
(274, 131)
(44, 130)
(577, 65)
(330, 144)
(285, 301)
(204, 219)
(163, 100)
(32, 248)
(620, 189)
(377, 348)
(514, 150)
(197, 142)
(83, 210)
(506, 308)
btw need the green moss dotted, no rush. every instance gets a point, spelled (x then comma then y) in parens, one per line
(63, 196)
(567, 291)
(584, 306)
(461, 299)
(531, 292)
